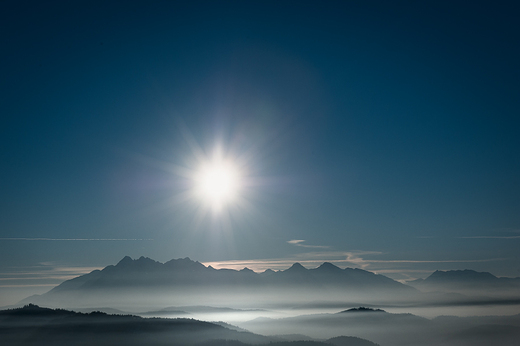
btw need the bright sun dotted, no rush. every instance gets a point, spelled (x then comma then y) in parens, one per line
(218, 183)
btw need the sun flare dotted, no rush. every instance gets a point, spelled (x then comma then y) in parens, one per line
(218, 183)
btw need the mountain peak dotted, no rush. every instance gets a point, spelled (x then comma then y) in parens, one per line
(185, 264)
(296, 267)
(267, 272)
(327, 266)
(125, 261)
(142, 263)
(147, 261)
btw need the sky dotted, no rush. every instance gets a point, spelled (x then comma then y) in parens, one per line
(371, 134)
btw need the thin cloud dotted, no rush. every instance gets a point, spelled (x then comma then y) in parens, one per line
(22, 286)
(436, 261)
(295, 241)
(307, 259)
(299, 242)
(507, 229)
(46, 274)
(491, 237)
(57, 277)
(75, 239)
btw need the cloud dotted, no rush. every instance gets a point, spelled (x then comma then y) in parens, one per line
(74, 239)
(295, 241)
(491, 237)
(481, 236)
(507, 230)
(45, 274)
(34, 285)
(299, 242)
(307, 259)
(498, 233)
(437, 261)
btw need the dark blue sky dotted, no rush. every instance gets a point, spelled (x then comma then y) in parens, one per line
(375, 131)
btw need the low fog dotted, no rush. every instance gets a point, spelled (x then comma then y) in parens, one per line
(167, 301)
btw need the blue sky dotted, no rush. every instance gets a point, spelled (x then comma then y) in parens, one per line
(376, 134)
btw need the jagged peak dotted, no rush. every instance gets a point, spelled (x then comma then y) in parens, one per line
(128, 262)
(184, 263)
(145, 259)
(246, 270)
(181, 260)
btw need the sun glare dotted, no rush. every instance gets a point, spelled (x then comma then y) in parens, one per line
(218, 183)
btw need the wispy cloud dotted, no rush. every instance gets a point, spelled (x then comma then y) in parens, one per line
(491, 237)
(76, 239)
(507, 230)
(307, 259)
(295, 241)
(300, 242)
(45, 274)
(437, 261)
(30, 285)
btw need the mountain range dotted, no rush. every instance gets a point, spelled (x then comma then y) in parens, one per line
(185, 282)
(144, 284)
(468, 282)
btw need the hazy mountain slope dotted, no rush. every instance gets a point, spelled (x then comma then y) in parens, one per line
(350, 341)
(469, 282)
(33, 325)
(389, 329)
(375, 325)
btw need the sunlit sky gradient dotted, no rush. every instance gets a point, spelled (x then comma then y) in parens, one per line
(373, 134)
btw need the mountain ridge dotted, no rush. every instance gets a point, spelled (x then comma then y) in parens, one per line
(185, 277)
(467, 281)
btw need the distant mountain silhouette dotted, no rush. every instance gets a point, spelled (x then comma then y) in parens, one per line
(32, 325)
(391, 329)
(362, 309)
(468, 281)
(146, 279)
(371, 324)
(350, 341)
(110, 311)
(185, 311)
